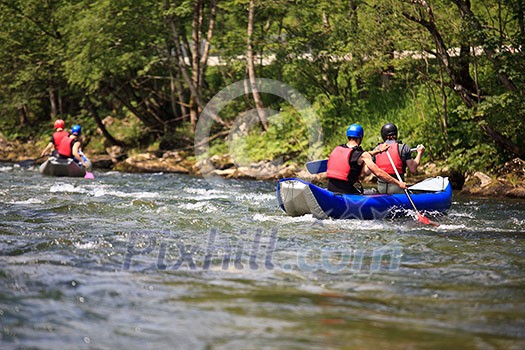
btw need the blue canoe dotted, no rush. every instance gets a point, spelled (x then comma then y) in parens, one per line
(297, 197)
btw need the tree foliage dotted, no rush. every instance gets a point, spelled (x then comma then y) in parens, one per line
(450, 73)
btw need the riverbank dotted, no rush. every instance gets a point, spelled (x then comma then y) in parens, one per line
(507, 182)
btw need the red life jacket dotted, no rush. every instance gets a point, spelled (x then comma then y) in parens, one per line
(58, 136)
(339, 163)
(383, 162)
(66, 147)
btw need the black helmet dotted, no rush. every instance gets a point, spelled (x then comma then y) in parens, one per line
(388, 130)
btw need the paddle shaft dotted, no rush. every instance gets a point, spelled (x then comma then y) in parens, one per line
(399, 178)
(29, 162)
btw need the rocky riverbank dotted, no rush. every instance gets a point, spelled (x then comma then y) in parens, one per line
(507, 182)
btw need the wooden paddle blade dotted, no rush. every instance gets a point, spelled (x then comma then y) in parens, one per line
(317, 166)
(89, 175)
(425, 220)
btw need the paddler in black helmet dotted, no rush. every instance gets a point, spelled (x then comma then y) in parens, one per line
(401, 156)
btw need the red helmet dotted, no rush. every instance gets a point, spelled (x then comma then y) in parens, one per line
(60, 124)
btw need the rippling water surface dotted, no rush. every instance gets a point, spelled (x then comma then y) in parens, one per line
(170, 261)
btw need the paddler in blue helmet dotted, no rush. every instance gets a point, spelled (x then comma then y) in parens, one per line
(70, 147)
(348, 161)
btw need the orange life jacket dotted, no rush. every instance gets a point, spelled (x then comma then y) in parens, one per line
(339, 163)
(383, 162)
(65, 148)
(58, 136)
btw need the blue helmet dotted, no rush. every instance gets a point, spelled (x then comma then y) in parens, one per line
(76, 129)
(356, 131)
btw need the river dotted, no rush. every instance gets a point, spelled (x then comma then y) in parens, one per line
(157, 261)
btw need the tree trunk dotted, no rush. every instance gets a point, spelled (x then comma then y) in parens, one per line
(207, 44)
(468, 15)
(193, 73)
(183, 99)
(444, 106)
(174, 92)
(60, 103)
(173, 96)
(196, 27)
(94, 112)
(521, 20)
(52, 103)
(22, 113)
(500, 139)
(126, 101)
(251, 69)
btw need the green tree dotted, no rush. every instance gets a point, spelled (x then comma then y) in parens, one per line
(112, 53)
(489, 40)
(449, 72)
(31, 76)
(193, 20)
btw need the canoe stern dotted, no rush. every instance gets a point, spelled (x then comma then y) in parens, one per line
(296, 199)
(61, 167)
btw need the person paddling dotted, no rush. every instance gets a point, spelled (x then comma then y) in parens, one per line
(70, 147)
(348, 161)
(56, 138)
(401, 156)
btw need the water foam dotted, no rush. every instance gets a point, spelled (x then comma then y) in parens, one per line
(28, 201)
(199, 206)
(4, 169)
(65, 187)
(102, 192)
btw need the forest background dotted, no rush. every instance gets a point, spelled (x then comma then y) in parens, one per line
(137, 74)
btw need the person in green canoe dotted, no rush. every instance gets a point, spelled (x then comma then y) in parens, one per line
(56, 138)
(348, 161)
(71, 147)
(401, 157)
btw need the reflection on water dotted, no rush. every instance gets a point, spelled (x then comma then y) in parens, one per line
(163, 260)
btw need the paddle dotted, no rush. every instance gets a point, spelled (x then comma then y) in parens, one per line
(88, 175)
(420, 216)
(317, 166)
(432, 184)
(28, 162)
(320, 166)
